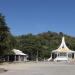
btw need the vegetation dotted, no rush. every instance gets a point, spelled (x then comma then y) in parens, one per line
(39, 45)
(44, 43)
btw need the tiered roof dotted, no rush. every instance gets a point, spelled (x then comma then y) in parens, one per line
(63, 47)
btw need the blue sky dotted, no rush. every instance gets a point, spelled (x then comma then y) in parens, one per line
(36, 16)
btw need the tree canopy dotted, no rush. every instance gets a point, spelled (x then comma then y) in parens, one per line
(44, 43)
(4, 36)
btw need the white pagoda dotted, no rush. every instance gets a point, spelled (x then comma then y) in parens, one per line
(63, 53)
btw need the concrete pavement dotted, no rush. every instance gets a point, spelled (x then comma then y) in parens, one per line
(40, 68)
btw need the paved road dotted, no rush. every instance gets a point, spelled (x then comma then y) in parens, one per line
(42, 68)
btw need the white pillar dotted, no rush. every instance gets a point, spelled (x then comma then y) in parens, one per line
(25, 58)
(15, 57)
(57, 54)
(74, 55)
(8, 58)
(67, 55)
(19, 58)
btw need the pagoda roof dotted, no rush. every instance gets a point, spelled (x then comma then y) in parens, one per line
(63, 47)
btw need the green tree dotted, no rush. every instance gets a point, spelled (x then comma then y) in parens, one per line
(42, 44)
(4, 36)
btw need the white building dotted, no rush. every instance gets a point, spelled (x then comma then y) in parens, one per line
(62, 53)
(17, 56)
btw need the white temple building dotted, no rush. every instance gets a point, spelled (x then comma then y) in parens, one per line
(63, 53)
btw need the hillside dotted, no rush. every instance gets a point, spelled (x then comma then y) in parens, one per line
(42, 44)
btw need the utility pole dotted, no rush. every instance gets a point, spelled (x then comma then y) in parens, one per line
(37, 56)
